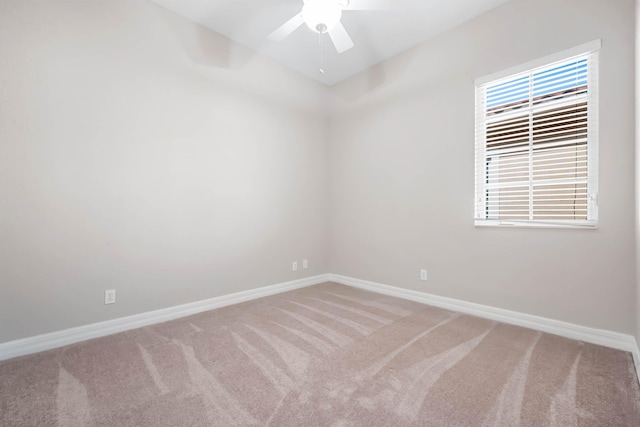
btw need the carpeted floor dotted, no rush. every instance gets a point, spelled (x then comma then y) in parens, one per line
(326, 355)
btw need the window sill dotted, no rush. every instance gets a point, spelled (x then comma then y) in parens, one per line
(580, 225)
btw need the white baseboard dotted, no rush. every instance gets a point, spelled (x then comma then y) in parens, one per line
(51, 340)
(636, 358)
(591, 335)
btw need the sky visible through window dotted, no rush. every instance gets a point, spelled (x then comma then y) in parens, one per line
(565, 76)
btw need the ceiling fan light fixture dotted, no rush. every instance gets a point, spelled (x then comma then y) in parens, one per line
(321, 15)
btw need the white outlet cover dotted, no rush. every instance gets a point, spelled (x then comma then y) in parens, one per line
(110, 296)
(305, 263)
(423, 274)
(294, 266)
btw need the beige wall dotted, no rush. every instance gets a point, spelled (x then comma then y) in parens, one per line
(143, 153)
(637, 197)
(402, 179)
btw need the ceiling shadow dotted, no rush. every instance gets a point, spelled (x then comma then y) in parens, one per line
(377, 79)
(204, 46)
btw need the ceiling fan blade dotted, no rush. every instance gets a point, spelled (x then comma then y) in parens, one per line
(369, 5)
(287, 28)
(340, 38)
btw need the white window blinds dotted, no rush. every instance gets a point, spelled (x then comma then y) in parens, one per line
(536, 145)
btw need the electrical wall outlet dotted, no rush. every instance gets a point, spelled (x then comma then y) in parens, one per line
(110, 296)
(294, 266)
(305, 263)
(423, 274)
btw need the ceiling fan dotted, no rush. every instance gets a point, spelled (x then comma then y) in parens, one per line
(323, 16)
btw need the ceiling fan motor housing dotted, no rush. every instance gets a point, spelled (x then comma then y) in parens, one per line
(321, 15)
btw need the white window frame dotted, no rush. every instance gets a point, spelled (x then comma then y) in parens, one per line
(482, 83)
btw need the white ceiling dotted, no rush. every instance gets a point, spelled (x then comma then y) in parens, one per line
(377, 35)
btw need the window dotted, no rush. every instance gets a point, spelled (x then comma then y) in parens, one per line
(536, 143)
